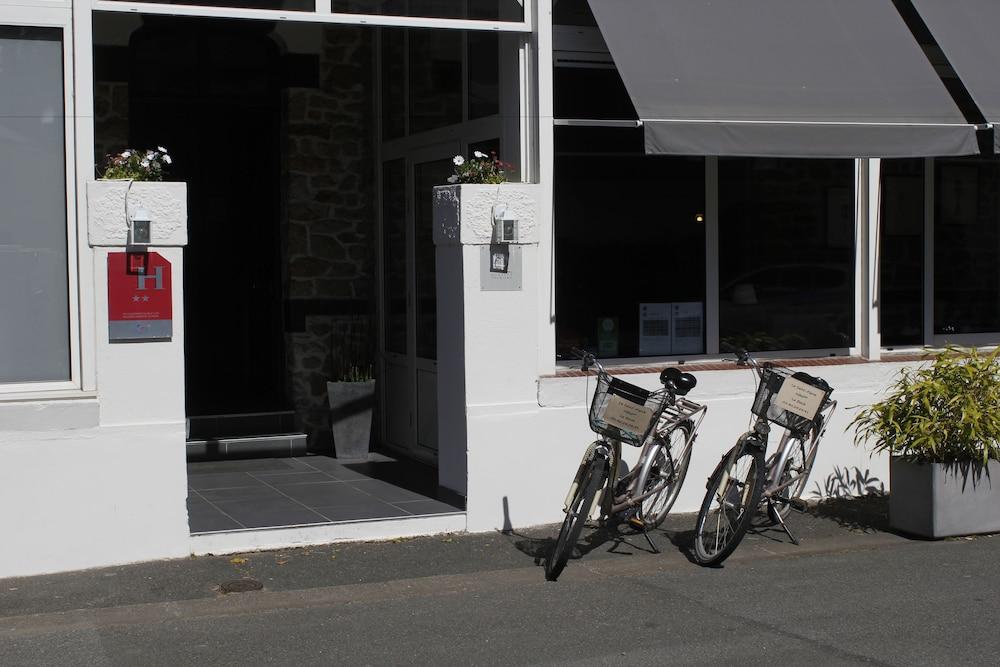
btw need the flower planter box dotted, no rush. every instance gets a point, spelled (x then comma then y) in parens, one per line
(938, 500)
(106, 211)
(463, 214)
(351, 407)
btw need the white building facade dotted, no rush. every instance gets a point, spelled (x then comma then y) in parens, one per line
(675, 202)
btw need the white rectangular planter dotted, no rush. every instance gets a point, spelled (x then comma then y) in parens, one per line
(938, 500)
(107, 224)
(463, 214)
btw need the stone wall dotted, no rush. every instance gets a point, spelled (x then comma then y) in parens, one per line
(330, 226)
(110, 118)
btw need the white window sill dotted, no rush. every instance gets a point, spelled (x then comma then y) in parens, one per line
(49, 411)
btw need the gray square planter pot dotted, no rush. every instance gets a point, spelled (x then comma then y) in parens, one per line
(938, 500)
(351, 406)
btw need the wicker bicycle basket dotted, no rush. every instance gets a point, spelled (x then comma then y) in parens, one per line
(772, 380)
(624, 411)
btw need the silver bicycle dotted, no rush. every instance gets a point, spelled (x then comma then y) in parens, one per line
(663, 423)
(743, 480)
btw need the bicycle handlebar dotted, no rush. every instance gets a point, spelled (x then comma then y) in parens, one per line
(587, 358)
(744, 358)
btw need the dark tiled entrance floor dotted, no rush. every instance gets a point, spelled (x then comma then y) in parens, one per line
(266, 493)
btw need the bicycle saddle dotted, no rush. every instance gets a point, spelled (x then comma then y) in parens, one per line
(679, 383)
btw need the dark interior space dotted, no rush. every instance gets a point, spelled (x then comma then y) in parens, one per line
(209, 90)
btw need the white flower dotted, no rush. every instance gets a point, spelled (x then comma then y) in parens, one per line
(145, 163)
(453, 178)
(149, 155)
(479, 154)
(459, 160)
(126, 153)
(166, 158)
(161, 149)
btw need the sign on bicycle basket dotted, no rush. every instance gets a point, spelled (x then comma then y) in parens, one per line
(626, 415)
(799, 398)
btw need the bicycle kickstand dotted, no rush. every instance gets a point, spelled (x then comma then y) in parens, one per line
(635, 522)
(775, 512)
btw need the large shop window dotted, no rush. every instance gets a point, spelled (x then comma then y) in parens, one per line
(786, 254)
(34, 288)
(630, 246)
(964, 246)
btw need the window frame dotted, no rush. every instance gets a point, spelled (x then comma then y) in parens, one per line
(59, 15)
(322, 13)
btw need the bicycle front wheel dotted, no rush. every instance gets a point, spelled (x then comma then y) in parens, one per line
(734, 491)
(591, 483)
(798, 465)
(664, 476)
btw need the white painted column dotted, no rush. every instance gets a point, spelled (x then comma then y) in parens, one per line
(142, 382)
(543, 125)
(487, 338)
(873, 303)
(868, 199)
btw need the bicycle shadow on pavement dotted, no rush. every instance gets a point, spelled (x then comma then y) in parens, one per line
(619, 540)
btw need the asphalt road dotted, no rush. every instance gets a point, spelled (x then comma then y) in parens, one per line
(849, 594)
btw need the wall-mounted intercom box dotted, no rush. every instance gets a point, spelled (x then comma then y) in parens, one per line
(504, 226)
(140, 229)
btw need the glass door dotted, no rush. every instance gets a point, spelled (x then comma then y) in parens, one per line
(409, 297)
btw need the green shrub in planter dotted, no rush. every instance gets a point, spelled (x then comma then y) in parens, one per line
(941, 425)
(946, 412)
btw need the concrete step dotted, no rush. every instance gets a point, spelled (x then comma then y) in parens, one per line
(211, 427)
(210, 449)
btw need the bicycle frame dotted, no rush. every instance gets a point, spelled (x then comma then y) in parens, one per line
(784, 450)
(673, 416)
(610, 503)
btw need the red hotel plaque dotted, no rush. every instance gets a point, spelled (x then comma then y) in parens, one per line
(139, 297)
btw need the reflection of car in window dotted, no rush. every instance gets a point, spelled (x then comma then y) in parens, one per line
(787, 306)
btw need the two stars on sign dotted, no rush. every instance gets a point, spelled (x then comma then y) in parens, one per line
(137, 298)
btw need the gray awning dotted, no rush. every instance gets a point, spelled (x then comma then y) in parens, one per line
(781, 78)
(966, 32)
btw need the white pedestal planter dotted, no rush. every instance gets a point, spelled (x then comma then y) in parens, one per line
(938, 500)
(487, 331)
(107, 202)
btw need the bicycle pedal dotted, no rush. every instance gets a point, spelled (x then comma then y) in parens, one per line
(637, 523)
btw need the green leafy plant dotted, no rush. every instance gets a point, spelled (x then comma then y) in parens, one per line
(946, 412)
(136, 165)
(351, 353)
(480, 168)
(356, 373)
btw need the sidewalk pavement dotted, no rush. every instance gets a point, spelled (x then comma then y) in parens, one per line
(836, 525)
(482, 599)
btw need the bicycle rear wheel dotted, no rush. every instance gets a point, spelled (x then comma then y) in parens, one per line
(591, 482)
(666, 473)
(734, 491)
(798, 465)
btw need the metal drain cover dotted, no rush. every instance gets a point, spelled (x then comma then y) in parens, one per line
(241, 586)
